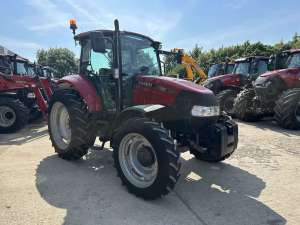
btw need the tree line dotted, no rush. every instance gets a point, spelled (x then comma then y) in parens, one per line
(207, 58)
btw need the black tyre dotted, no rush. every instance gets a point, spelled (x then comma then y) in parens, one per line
(244, 106)
(35, 114)
(226, 100)
(146, 158)
(70, 125)
(207, 156)
(287, 109)
(13, 115)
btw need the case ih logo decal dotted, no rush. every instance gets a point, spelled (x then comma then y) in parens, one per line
(145, 84)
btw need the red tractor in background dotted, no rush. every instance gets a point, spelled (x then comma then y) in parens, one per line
(217, 69)
(121, 96)
(227, 86)
(274, 93)
(23, 95)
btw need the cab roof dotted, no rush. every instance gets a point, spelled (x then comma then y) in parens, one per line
(252, 58)
(85, 35)
(293, 50)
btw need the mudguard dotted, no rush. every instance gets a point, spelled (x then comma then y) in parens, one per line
(85, 88)
(137, 111)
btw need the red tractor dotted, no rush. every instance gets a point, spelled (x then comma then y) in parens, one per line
(23, 95)
(121, 97)
(220, 69)
(274, 93)
(227, 86)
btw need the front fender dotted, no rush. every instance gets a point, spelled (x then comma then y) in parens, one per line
(85, 88)
(149, 111)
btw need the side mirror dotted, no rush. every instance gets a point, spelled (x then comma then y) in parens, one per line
(98, 42)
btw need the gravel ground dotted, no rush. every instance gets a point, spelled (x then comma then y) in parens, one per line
(259, 184)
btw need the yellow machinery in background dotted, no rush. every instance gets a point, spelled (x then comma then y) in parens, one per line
(193, 71)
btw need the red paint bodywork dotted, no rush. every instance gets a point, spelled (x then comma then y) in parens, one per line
(290, 76)
(86, 90)
(162, 90)
(228, 79)
(148, 90)
(14, 82)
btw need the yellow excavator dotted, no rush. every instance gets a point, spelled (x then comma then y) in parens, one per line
(193, 71)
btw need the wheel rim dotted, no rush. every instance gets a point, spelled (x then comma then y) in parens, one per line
(297, 112)
(7, 116)
(228, 105)
(60, 125)
(138, 160)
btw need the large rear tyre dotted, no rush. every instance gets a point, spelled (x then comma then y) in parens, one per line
(13, 115)
(70, 125)
(226, 100)
(146, 158)
(244, 106)
(287, 109)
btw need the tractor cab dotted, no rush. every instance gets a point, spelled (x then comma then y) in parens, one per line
(99, 59)
(244, 72)
(293, 60)
(20, 66)
(5, 65)
(251, 67)
(220, 68)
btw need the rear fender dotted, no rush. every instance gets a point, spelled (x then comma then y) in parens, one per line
(85, 88)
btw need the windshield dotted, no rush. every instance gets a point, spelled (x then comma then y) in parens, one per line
(4, 66)
(229, 68)
(21, 68)
(139, 56)
(241, 68)
(31, 71)
(294, 60)
(214, 70)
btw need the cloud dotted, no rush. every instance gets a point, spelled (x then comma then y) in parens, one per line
(93, 15)
(48, 11)
(253, 30)
(12, 43)
(24, 48)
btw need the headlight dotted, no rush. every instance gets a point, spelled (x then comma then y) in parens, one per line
(204, 111)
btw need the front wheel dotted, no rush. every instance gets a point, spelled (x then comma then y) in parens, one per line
(287, 109)
(146, 159)
(13, 115)
(226, 100)
(244, 108)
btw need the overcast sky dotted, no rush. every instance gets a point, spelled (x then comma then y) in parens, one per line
(27, 25)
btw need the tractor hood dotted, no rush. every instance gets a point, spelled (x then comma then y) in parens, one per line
(174, 84)
(282, 73)
(218, 83)
(225, 77)
(167, 91)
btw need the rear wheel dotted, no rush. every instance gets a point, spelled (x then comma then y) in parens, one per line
(146, 159)
(287, 109)
(13, 115)
(226, 100)
(244, 108)
(70, 125)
